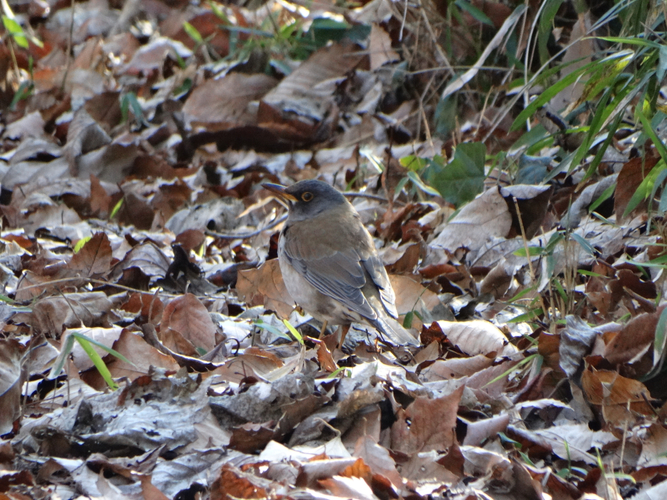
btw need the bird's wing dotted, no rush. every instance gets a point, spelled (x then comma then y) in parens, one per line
(335, 269)
(375, 269)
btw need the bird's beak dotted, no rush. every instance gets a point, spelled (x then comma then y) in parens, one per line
(279, 190)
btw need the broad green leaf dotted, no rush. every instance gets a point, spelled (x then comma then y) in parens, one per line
(462, 179)
(12, 26)
(446, 113)
(412, 162)
(16, 31)
(407, 321)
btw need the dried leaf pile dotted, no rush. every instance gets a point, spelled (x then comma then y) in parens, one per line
(149, 348)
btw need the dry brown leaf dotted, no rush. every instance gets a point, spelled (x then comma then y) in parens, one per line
(142, 355)
(427, 424)
(623, 400)
(10, 384)
(378, 459)
(634, 339)
(94, 258)
(265, 286)
(484, 218)
(71, 310)
(456, 367)
(348, 487)
(477, 337)
(224, 102)
(188, 317)
(379, 46)
(629, 179)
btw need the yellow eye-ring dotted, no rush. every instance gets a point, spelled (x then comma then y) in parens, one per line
(307, 196)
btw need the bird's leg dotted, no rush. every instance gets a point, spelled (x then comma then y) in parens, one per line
(323, 330)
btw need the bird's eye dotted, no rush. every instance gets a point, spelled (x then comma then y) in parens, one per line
(307, 196)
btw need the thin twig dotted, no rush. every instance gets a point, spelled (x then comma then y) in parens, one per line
(243, 236)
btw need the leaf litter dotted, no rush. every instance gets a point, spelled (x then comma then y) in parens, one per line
(148, 347)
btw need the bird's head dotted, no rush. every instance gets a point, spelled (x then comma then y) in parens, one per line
(307, 199)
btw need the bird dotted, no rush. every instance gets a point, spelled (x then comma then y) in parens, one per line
(330, 265)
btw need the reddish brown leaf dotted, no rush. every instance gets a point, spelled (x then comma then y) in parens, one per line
(94, 259)
(188, 317)
(427, 424)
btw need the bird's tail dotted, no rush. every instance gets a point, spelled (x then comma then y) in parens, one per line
(393, 332)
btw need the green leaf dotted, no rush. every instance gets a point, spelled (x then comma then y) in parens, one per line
(533, 251)
(79, 244)
(130, 101)
(648, 130)
(407, 321)
(270, 328)
(116, 208)
(6, 299)
(12, 26)
(16, 31)
(560, 290)
(660, 338)
(583, 244)
(662, 64)
(526, 458)
(603, 197)
(78, 335)
(462, 179)
(530, 315)
(420, 184)
(645, 188)
(414, 163)
(521, 294)
(561, 84)
(294, 331)
(506, 439)
(193, 33)
(546, 27)
(474, 12)
(323, 30)
(219, 12)
(590, 273)
(87, 345)
(659, 181)
(98, 362)
(345, 371)
(446, 114)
